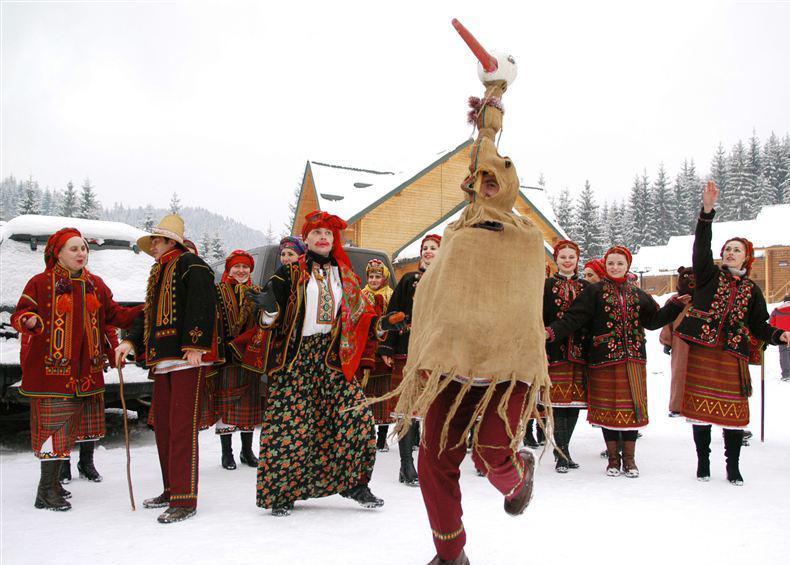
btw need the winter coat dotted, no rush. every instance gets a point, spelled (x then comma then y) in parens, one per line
(780, 317)
(559, 293)
(396, 344)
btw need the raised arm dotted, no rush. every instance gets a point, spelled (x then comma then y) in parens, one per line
(702, 258)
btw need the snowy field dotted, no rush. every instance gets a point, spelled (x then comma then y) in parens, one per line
(665, 516)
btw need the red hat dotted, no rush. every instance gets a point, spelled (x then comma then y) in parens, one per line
(316, 220)
(237, 256)
(56, 242)
(620, 250)
(597, 266)
(749, 252)
(432, 237)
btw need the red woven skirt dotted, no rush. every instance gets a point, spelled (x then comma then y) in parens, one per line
(568, 385)
(376, 386)
(718, 386)
(237, 400)
(618, 396)
(56, 424)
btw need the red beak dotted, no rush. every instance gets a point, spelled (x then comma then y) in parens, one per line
(489, 63)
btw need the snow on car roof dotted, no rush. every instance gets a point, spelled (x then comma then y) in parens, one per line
(768, 229)
(44, 226)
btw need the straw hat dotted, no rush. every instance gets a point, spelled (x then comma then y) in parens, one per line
(171, 227)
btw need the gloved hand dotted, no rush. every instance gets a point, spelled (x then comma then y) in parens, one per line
(395, 321)
(264, 300)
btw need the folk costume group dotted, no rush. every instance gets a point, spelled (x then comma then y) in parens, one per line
(317, 361)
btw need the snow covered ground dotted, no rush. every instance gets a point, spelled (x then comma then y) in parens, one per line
(665, 516)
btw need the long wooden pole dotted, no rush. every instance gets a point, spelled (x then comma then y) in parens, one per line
(126, 441)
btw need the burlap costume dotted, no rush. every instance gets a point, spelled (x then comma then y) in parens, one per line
(477, 313)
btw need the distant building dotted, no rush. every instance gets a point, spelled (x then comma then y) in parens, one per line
(392, 211)
(769, 232)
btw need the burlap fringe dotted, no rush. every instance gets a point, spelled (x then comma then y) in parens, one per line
(416, 394)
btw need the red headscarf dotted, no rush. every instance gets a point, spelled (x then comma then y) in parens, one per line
(316, 220)
(567, 244)
(597, 266)
(237, 256)
(56, 242)
(619, 250)
(431, 237)
(749, 252)
(190, 245)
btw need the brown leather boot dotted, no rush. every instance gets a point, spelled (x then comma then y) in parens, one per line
(46, 496)
(629, 463)
(462, 559)
(613, 467)
(520, 500)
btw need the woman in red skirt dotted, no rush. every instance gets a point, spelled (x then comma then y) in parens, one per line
(237, 390)
(618, 312)
(566, 357)
(64, 313)
(728, 311)
(374, 375)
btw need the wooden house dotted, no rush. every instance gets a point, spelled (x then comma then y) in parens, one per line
(389, 211)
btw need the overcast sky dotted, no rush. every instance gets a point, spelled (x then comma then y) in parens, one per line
(224, 102)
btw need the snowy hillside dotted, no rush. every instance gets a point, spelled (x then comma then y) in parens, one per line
(664, 517)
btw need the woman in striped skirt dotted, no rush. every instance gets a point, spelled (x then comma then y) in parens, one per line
(727, 316)
(617, 313)
(566, 357)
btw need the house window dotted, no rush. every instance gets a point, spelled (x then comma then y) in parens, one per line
(783, 263)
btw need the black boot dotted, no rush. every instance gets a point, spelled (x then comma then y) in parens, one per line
(58, 486)
(529, 436)
(64, 475)
(227, 452)
(733, 440)
(541, 432)
(415, 435)
(47, 496)
(702, 443)
(407, 474)
(572, 416)
(247, 456)
(362, 495)
(560, 429)
(381, 438)
(85, 464)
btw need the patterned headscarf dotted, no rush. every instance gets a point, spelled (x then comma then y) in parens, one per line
(619, 250)
(293, 243)
(747, 264)
(597, 266)
(431, 237)
(237, 256)
(56, 242)
(567, 244)
(316, 220)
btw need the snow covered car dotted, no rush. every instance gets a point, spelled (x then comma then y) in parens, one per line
(113, 256)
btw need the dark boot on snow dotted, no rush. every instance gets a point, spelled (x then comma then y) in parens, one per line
(227, 452)
(85, 464)
(247, 456)
(47, 496)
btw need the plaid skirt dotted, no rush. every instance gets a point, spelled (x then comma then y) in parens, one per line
(568, 385)
(618, 396)
(56, 424)
(312, 443)
(237, 400)
(376, 386)
(717, 388)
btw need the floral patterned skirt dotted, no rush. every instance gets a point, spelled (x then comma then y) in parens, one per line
(311, 445)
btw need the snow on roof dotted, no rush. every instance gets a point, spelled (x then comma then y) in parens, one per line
(124, 271)
(347, 191)
(768, 229)
(44, 226)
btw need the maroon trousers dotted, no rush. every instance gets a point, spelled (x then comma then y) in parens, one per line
(177, 407)
(439, 473)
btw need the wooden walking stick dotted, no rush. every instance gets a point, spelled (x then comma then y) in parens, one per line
(762, 395)
(126, 441)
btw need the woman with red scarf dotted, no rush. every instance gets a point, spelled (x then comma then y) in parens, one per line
(312, 443)
(566, 357)
(64, 312)
(616, 313)
(237, 391)
(728, 312)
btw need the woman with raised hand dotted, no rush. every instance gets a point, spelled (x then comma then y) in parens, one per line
(728, 311)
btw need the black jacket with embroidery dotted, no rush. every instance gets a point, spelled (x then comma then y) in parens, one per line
(725, 308)
(616, 316)
(236, 313)
(396, 344)
(559, 293)
(180, 311)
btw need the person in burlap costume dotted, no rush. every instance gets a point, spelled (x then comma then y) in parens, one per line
(477, 341)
